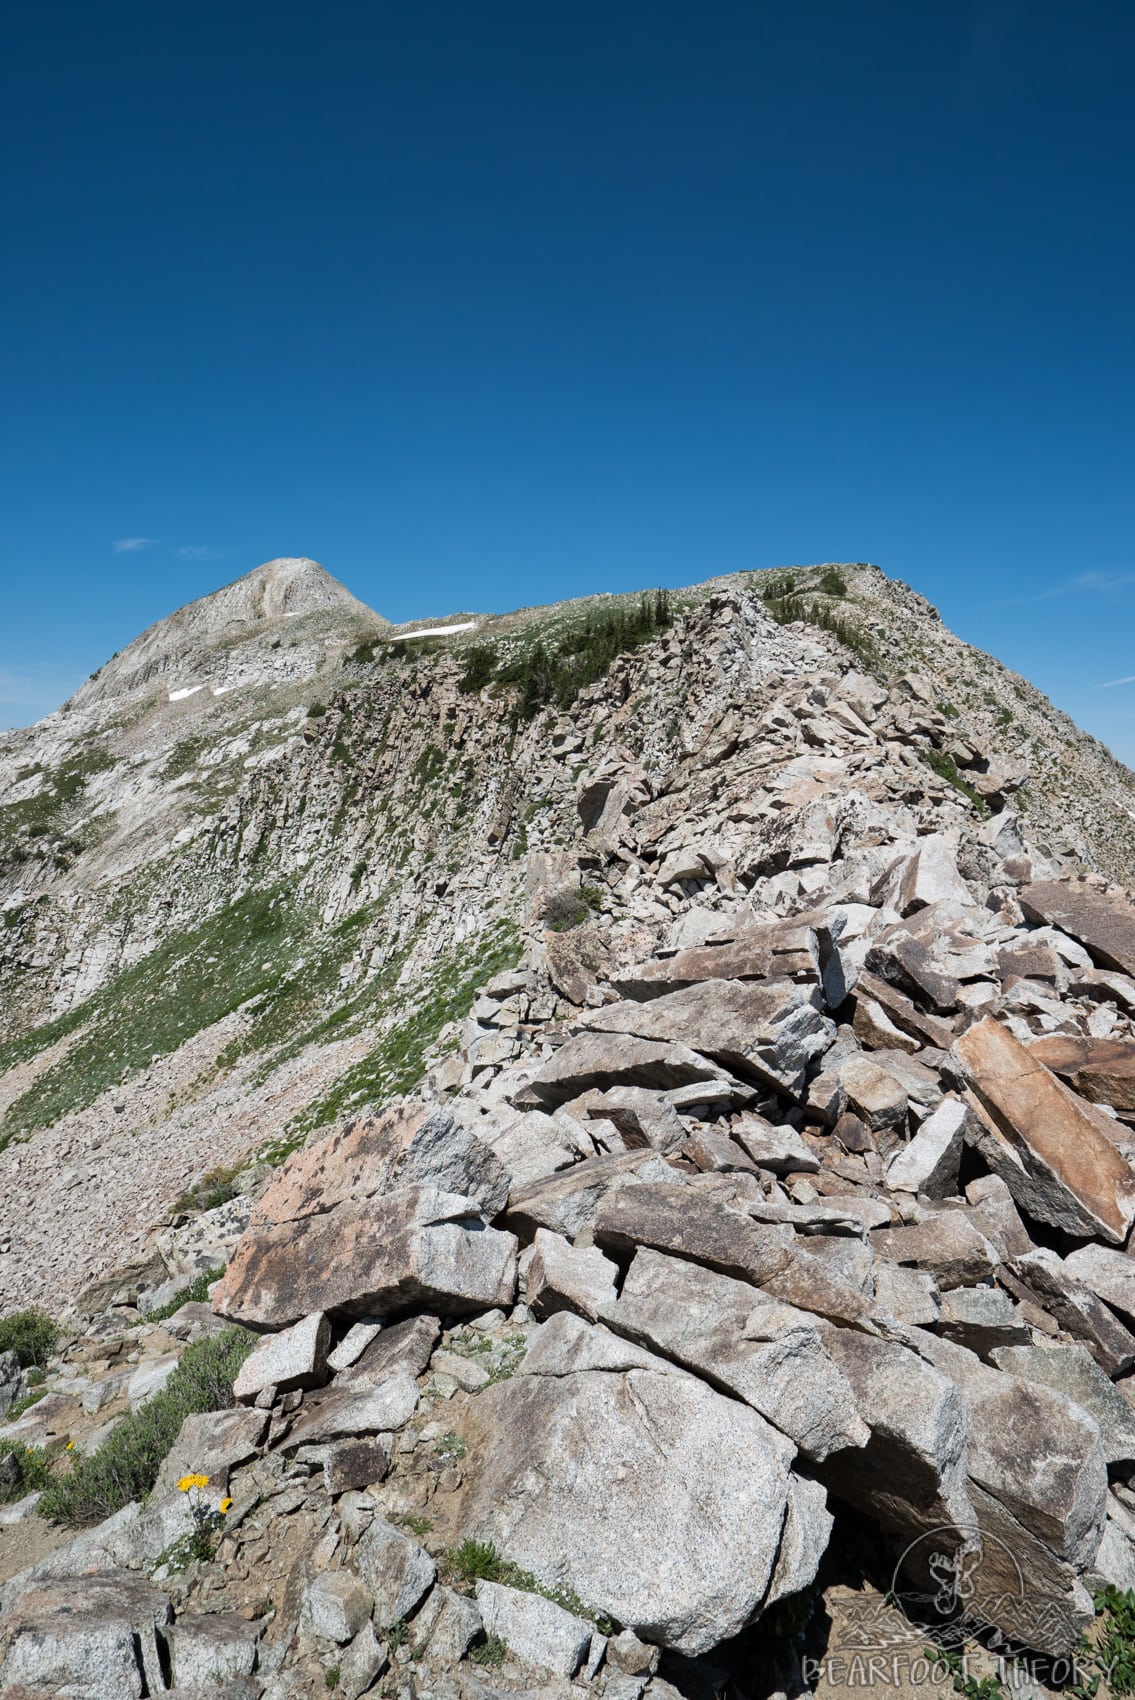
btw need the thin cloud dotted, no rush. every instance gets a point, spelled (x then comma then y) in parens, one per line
(131, 545)
(1081, 584)
(1109, 684)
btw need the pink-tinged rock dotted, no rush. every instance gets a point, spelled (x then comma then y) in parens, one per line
(1046, 1144)
(1101, 1070)
(1104, 922)
(409, 1144)
(416, 1246)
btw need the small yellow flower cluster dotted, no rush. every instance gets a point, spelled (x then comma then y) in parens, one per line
(188, 1482)
(224, 1506)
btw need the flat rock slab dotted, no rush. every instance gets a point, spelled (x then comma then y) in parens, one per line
(404, 1348)
(1110, 1275)
(533, 1628)
(946, 1244)
(672, 1217)
(294, 1358)
(597, 1061)
(410, 1144)
(1044, 1141)
(414, 1246)
(1101, 1070)
(354, 1411)
(211, 1443)
(1072, 1370)
(654, 1498)
(766, 1031)
(1104, 923)
(768, 1354)
(566, 1203)
(95, 1636)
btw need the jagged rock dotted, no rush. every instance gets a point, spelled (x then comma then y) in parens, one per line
(931, 876)
(296, 1357)
(149, 1378)
(403, 1348)
(945, 1243)
(566, 1204)
(994, 1214)
(784, 950)
(1104, 924)
(670, 1217)
(982, 1318)
(446, 1626)
(361, 1664)
(410, 1145)
(336, 1605)
(1101, 1070)
(598, 1061)
(94, 1636)
(898, 1009)
(712, 1151)
(348, 1411)
(780, 1149)
(532, 1145)
(352, 1464)
(672, 1469)
(413, 1245)
(354, 1343)
(1110, 1275)
(566, 1277)
(10, 1376)
(768, 1031)
(929, 1163)
(533, 1628)
(209, 1649)
(911, 1475)
(909, 1295)
(769, 1355)
(1071, 1370)
(873, 1094)
(211, 1443)
(396, 1570)
(643, 1118)
(1047, 1279)
(1044, 1142)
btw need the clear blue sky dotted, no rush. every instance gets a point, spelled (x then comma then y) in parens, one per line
(497, 303)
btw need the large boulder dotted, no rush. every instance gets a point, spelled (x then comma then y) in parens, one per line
(606, 1470)
(91, 1637)
(413, 1246)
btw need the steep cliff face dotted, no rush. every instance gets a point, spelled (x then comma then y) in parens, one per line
(254, 873)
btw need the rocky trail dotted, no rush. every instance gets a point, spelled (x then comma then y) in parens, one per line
(738, 1285)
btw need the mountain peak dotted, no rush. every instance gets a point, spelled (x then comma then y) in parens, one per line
(194, 640)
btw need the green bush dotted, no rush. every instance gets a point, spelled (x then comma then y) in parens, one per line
(832, 583)
(23, 1469)
(126, 1465)
(31, 1334)
(196, 1293)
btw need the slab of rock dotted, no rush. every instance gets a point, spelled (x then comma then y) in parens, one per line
(1073, 1371)
(911, 1476)
(397, 1571)
(1077, 1309)
(1044, 1142)
(654, 1498)
(566, 1204)
(211, 1443)
(929, 1163)
(336, 1604)
(1104, 923)
(296, 1357)
(909, 1295)
(768, 1354)
(354, 1343)
(1101, 1070)
(808, 1286)
(780, 1149)
(403, 1348)
(601, 1060)
(350, 1465)
(565, 1277)
(781, 950)
(945, 1243)
(446, 1626)
(873, 1094)
(931, 875)
(644, 1118)
(93, 1635)
(349, 1411)
(982, 1318)
(906, 1016)
(533, 1628)
(764, 1031)
(688, 1223)
(361, 1663)
(413, 1246)
(211, 1649)
(410, 1144)
(531, 1144)
(1110, 1275)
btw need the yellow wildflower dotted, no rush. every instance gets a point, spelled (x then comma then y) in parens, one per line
(188, 1482)
(70, 1447)
(224, 1505)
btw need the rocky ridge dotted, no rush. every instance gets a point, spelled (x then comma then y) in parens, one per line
(783, 1176)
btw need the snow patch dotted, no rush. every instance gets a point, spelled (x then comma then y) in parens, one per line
(436, 631)
(188, 691)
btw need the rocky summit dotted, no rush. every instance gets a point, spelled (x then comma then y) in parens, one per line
(586, 1152)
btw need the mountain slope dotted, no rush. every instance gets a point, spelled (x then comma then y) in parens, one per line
(232, 918)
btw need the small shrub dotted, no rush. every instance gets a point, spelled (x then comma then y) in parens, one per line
(451, 1446)
(196, 1293)
(480, 664)
(317, 711)
(946, 768)
(565, 909)
(832, 583)
(473, 1561)
(31, 1334)
(23, 1469)
(489, 1653)
(126, 1465)
(396, 1634)
(214, 1188)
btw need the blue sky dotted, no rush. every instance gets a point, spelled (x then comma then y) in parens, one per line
(489, 305)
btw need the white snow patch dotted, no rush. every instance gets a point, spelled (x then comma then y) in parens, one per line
(189, 691)
(222, 690)
(437, 631)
